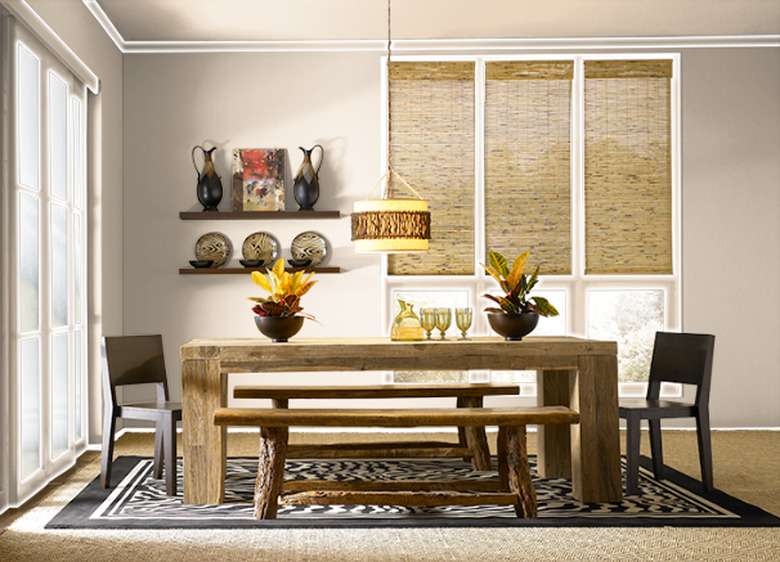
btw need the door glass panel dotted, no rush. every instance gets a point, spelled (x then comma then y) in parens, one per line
(77, 272)
(77, 148)
(30, 377)
(58, 136)
(59, 394)
(29, 263)
(630, 317)
(28, 128)
(78, 378)
(59, 266)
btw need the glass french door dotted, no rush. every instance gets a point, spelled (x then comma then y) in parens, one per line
(48, 268)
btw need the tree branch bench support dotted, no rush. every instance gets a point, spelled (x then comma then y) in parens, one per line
(472, 441)
(513, 488)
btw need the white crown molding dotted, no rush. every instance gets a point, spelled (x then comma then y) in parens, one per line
(22, 11)
(430, 46)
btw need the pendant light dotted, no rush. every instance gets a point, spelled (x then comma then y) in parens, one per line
(391, 225)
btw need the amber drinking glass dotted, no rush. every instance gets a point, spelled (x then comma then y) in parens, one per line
(443, 320)
(463, 320)
(428, 320)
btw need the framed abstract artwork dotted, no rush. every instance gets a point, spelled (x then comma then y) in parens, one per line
(258, 179)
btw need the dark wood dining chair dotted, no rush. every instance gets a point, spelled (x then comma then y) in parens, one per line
(133, 360)
(677, 358)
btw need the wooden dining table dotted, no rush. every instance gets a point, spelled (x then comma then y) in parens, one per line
(571, 371)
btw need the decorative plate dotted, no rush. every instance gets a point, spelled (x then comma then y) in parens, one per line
(213, 246)
(261, 246)
(309, 246)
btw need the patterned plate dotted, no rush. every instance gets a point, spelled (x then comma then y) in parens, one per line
(309, 246)
(261, 246)
(213, 246)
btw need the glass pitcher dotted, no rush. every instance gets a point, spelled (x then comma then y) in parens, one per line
(407, 325)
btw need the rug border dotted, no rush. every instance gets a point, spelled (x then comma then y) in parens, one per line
(750, 515)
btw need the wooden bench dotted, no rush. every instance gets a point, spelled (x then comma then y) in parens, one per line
(472, 441)
(514, 486)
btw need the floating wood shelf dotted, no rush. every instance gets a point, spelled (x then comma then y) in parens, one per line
(239, 270)
(257, 215)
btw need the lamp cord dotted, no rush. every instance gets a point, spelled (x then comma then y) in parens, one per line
(388, 176)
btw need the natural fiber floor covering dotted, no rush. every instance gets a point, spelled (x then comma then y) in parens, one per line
(747, 464)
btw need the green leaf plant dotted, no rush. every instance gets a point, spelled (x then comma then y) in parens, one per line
(516, 286)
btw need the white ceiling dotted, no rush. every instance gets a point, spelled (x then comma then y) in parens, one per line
(328, 20)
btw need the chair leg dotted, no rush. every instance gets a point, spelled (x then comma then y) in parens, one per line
(170, 455)
(705, 449)
(107, 456)
(656, 448)
(159, 452)
(633, 434)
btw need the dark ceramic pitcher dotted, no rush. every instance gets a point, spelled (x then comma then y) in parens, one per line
(209, 190)
(306, 188)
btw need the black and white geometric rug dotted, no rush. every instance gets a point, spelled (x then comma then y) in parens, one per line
(139, 501)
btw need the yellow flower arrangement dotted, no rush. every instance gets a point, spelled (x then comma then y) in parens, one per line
(286, 290)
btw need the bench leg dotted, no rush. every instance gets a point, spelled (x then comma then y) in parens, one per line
(476, 439)
(270, 472)
(462, 439)
(514, 470)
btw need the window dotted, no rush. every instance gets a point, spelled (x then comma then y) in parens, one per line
(574, 158)
(437, 99)
(47, 141)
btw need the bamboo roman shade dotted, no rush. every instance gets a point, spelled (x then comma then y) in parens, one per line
(527, 161)
(628, 201)
(432, 142)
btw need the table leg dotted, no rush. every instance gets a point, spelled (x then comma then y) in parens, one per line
(596, 439)
(204, 389)
(553, 388)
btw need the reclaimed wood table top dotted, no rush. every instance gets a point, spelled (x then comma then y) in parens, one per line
(365, 354)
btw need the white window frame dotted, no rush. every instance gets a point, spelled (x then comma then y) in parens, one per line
(578, 283)
(23, 486)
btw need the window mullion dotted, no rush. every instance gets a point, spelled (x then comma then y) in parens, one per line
(577, 322)
(479, 323)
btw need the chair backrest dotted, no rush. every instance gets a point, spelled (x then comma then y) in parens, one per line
(682, 358)
(131, 360)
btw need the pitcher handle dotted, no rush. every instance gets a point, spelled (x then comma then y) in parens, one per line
(193, 158)
(322, 157)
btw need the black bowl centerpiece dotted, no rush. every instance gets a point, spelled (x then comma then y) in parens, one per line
(518, 313)
(200, 264)
(279, 328)
(513, 326)
(280, 316)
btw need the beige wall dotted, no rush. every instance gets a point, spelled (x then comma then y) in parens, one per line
(731, 225)
(174, 102)
(731, 200)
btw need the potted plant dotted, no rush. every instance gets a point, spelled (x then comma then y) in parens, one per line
(517, 313)
(279, 316)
